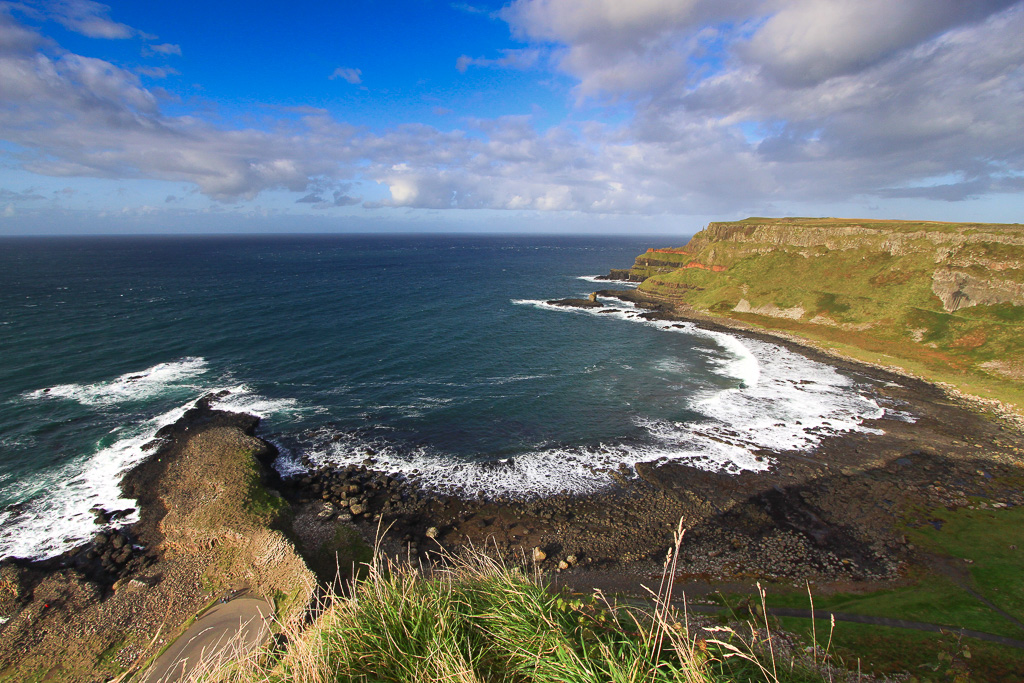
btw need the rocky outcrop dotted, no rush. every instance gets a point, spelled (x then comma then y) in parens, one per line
(948, 297)
(893, 237)
(958, 289)
(771, 311)
(591, 302)
(713, 269)
(206, 527)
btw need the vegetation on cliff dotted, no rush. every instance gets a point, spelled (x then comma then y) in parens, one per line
(207, 527)
(941, 300)
(480, 620)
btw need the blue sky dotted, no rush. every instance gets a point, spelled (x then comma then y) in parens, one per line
(535, 115)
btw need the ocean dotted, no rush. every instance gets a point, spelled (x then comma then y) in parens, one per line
(436, 354)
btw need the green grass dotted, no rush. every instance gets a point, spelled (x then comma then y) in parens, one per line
(258, 500)
(931, 600)
(995, 571)
(979, 541)
(482, 621)
(927, 656)
(107, 660)
(865, 299)
(985, 538)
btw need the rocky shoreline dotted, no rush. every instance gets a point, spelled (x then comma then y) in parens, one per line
(101, 608)
(832, 517)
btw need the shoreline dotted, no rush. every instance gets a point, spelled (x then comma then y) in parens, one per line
(810, 348)
(903, 461)
(831, 517)
(82, 617)
(675, 310)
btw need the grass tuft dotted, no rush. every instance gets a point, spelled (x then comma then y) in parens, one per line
(480, 620)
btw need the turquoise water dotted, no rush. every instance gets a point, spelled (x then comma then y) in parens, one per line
(436, 353)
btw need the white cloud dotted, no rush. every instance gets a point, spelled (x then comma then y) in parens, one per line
(81, 116)
(353, 76)
(157, 71)
(23, 196)
(809, 41)
(621, 48)
(710, 129)
(164, 49)
(510, 59)
(90, 19)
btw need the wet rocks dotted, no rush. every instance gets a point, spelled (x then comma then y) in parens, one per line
(365, 493)
(577, 303)
(111, 556)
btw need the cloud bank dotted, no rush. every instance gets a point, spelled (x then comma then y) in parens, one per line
(730, 103)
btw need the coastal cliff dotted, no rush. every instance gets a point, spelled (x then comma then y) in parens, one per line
(210, 528)
(941, 300)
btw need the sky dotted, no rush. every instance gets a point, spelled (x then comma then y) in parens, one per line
(588, 116)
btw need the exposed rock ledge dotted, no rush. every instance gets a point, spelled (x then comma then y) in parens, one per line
(205, 530)
(958, 289)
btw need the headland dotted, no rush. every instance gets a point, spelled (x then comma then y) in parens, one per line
(859, 517)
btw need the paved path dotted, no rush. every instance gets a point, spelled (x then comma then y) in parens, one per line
(226, 631)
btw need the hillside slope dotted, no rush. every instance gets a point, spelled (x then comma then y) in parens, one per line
(942, 300)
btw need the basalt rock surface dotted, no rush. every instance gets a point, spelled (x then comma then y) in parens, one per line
(205, 528)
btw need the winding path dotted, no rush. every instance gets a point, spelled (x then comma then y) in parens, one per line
(227, 631)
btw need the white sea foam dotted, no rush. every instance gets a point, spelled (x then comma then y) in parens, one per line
(57, 515)
(132, 386)
(537, 473)
(241, 399)
(61, 518)
(599, 279)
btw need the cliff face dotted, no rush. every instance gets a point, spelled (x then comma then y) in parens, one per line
(938, 298)
(205, 527)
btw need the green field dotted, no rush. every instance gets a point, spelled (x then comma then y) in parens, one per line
(869, 289)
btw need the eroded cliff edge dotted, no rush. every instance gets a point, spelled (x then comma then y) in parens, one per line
(209, 527)
(944, 301)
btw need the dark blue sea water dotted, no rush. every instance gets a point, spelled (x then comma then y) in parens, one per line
(436, 353)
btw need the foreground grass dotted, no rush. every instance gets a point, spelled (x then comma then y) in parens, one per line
(925, 656)
(985, 594)
(479, 620)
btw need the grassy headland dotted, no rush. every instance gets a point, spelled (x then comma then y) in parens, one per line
(944, 301)
(209, 526)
